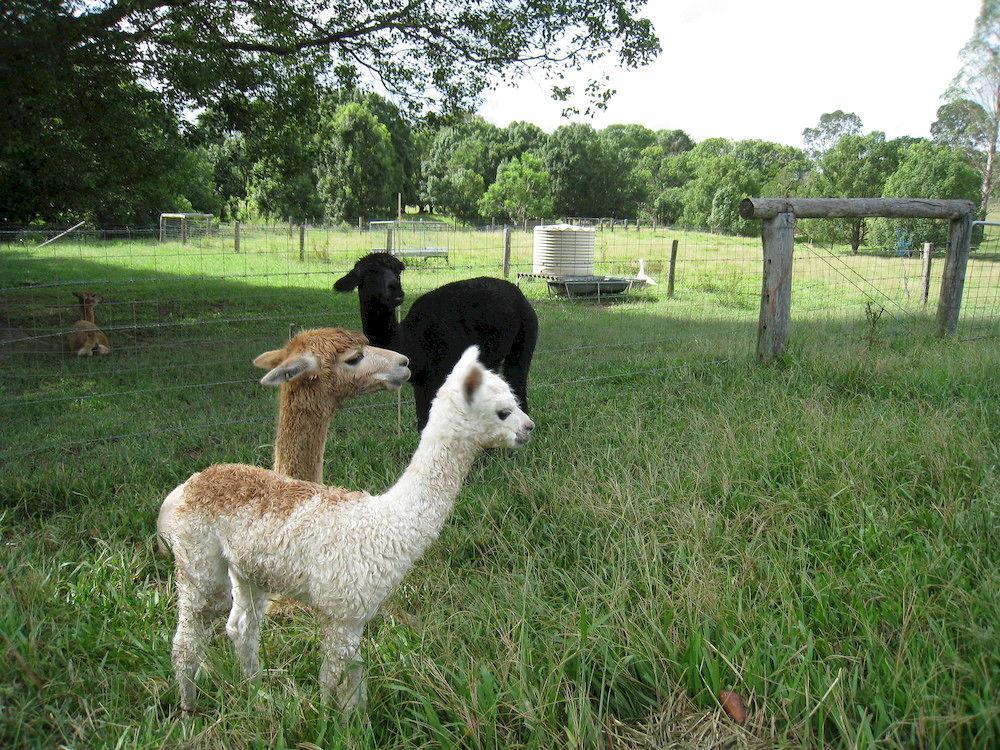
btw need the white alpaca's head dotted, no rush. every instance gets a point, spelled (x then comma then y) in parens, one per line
(477, 404)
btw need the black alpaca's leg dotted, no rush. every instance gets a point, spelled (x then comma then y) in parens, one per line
(424, 394)
(518, 360)
(422, 397)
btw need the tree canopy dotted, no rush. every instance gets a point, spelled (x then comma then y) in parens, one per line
(522, 190)
(974, 97)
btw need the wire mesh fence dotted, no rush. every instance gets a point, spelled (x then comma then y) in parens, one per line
(185, 318)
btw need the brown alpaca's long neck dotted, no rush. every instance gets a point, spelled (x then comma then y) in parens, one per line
(87, 311)
(301, 438)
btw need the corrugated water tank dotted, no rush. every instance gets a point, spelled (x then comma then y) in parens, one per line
(563, 250)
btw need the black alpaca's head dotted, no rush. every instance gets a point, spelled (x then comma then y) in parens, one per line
(376, 276)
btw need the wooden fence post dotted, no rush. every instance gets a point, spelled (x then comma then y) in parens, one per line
(236, 237)
(184, 230)
(953, 279)
(673, 267)
(925, 289)
(302, 241)
(506, 252)
(388, 239)
(778, 236)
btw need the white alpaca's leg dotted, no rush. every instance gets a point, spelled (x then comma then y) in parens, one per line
(243, 627)
(197, 609)
(343, 671)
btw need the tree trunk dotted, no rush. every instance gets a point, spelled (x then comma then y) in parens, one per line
(856, 235)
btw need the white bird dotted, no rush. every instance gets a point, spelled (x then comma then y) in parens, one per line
(641, 276)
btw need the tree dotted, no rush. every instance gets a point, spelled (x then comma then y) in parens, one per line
(523, 190)
(978, 82)
(832, 126)
(458, 165)
(356, 168)
(449, 49)
(857, 166)
(585, 179)
(92, 69)
(928, 171)
(674, 141)
(962, 124)
(722, 172)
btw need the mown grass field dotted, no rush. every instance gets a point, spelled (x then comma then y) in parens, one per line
(820, 535)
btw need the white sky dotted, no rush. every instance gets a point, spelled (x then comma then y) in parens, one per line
(768, 69)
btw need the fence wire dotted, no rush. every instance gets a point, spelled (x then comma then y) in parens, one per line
(186, 317)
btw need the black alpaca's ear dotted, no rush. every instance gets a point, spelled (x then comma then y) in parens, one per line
(348, 282)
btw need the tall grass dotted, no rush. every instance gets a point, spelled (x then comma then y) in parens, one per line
(820, 535)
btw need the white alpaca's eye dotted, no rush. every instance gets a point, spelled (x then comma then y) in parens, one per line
(503, 413)
(354, 360)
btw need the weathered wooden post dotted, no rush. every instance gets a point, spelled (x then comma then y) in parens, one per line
(776, 290)
(673, 267)
(236, 237)
(953, 279)
(925, 288)
(302, 242)
(506, 252)
(388, 239)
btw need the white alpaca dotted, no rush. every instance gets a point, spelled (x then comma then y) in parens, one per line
(241, 534)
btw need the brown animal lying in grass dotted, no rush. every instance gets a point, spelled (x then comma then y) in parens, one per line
(87, 339)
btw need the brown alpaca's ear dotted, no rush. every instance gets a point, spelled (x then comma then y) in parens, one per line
(78, 296)
(473, 380)
(270, 359)
(291, 368)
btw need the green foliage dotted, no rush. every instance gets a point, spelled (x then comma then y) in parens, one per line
(357, 173)
(458, 166)
(586, 179)
(83, 134)
(724, 172)
(975, 88)
(927, 171)
(523, 190)
(80, 139)
(856, 166)
(962, 124)
(832, 126)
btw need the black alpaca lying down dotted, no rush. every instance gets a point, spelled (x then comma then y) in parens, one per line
(490, 313)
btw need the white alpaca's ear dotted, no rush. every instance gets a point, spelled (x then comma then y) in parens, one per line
(469, 357)
(469, 371)
(290, 369)
(473, 379)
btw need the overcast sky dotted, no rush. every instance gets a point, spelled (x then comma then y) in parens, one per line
(768, 69)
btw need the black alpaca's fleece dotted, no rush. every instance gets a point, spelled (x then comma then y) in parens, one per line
(490, 313)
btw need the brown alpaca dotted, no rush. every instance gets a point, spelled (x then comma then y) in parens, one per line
(317, 371)
(87, 339)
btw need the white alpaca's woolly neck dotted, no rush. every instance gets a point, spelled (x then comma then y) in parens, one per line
(423, 497)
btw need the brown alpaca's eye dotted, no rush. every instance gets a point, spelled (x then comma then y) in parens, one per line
(354, 360)
(503, 413)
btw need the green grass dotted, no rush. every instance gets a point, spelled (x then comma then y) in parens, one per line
(820, 535)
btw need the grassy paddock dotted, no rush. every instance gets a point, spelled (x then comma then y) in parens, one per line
(819, 535)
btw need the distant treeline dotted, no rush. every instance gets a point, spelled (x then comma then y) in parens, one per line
(310, 155)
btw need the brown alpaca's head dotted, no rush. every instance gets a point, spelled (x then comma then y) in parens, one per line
(331, 365)
(87, 298)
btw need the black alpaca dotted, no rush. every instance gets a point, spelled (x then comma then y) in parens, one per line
(492, 313)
